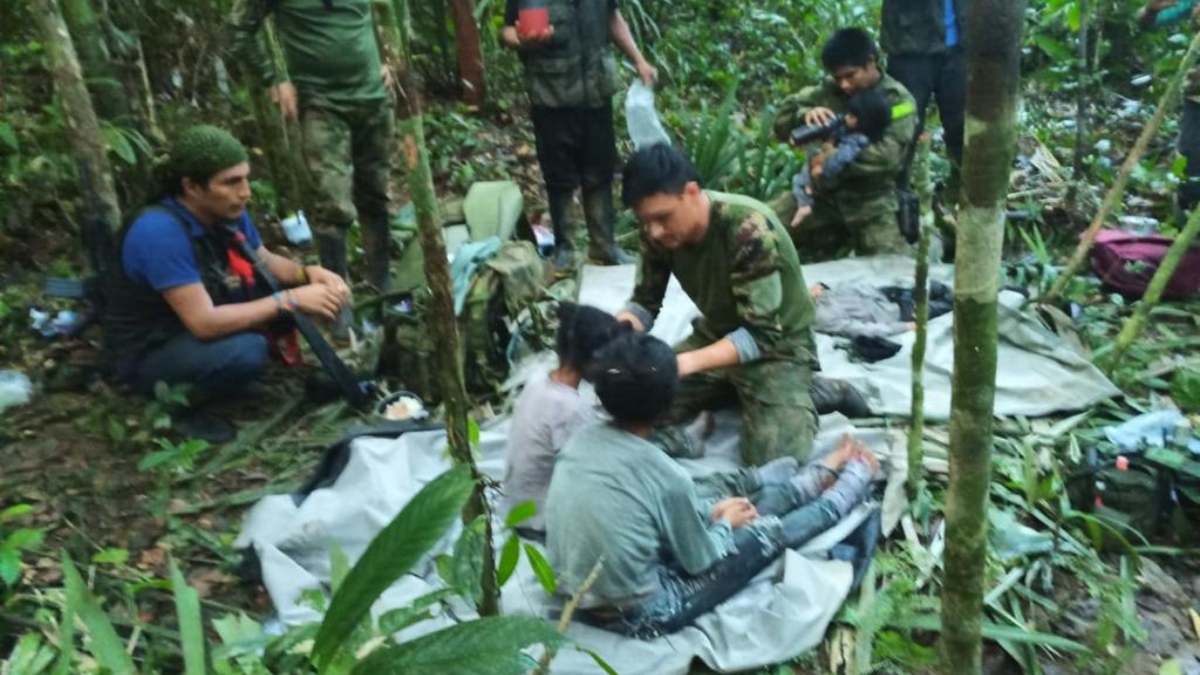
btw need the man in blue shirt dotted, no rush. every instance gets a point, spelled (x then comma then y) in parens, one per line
(923, 42)
(182, 303)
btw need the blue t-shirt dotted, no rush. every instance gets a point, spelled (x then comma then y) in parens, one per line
(159, 253)
(951, 24)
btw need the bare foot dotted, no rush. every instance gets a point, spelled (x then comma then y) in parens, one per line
(841, 454)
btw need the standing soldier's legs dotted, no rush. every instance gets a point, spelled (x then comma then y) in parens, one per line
(778, 418)
(371, 153)
(597, 159)
(326, 144)
(556, 131)
(951, 92)
(1188, 192)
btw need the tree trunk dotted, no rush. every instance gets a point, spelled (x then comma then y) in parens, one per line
(83, 128)
(1084, 86)
(1158, 283)
(1118, 187)
(993, 45)
(470, 59)
(916, 429)
(443, 325)
(147, 109)
(102, 78)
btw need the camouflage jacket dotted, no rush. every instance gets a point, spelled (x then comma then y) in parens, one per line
(877, 167)
(331, 50)
(576, 69)
(744, 273)
(913, 27)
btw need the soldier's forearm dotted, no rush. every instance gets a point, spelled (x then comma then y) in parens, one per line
(622, 37)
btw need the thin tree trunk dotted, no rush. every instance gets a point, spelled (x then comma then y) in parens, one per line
(1118, 187)
(102, 79)
(916, 428)
(470, 59)
(443, 35)
(83, 127)
(1158, 283)
(147, 108)
(443, 325)
(993, 46)
(1084, 86)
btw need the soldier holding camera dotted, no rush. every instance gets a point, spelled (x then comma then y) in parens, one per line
(859, 209)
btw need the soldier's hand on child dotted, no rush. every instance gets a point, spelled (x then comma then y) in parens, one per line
(284, 94)
(738, 511)
(801, 213)
(819, 115)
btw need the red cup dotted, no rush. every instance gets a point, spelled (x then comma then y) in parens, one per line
(534, 21)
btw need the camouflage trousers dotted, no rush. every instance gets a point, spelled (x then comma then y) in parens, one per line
(844, 222)
(347, 153)
(777, 413)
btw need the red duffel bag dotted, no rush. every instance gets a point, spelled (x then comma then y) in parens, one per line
(1126, 262)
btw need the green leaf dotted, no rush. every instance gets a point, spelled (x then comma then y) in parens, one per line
(30, 657)
(10, 566)
(993, 631)
(600, 662)
(9, 137)
(66, 638)
(510, 555)
(339, 566)
(111, 556)
(542, 569)
(157, 459)
(392, 553)
(15, 511)
(24, 538)
(473, 433)
(489, 646)
(1185, 389)
(396, 620)
(521, 513)
(1053, 48)
(105, 646)
(191, 626)
(1073, 19)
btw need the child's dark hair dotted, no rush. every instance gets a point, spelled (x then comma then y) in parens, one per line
(636, 378)
(582, 331)
(656, 169)
(873, 111)
(848, 47)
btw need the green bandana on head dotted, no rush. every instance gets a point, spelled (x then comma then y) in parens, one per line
(203, 151)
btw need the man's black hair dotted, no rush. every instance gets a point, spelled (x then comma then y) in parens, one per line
(636, 378)
(582, 331)
(656, 169)
(848, 47)
(873, 111)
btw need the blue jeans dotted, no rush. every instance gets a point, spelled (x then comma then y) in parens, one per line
(682, 598)
(220, 366)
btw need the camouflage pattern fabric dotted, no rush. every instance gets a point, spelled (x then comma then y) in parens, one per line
(862, 207)
(347, 157)
(576, 69)
(778, 417)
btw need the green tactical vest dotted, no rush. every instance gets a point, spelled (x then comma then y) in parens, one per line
(576, 69)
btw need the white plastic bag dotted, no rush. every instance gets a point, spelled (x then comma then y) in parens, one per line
(15, 389)
(641, 119)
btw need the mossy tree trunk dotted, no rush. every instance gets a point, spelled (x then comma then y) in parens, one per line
(993, 46)
(101, 75)
(83, 127)
(916, 430)
(443, 325)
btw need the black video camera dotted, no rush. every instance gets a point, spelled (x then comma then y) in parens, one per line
(816, 132)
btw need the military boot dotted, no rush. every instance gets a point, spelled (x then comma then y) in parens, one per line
(377, 246)
(331, 248)
(564, 248)
(830, 395)
(598, 212)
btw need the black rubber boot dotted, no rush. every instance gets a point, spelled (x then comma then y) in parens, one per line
(564, 248)
(830, 395)
(598, 211)
(377, 246)
(331, 248)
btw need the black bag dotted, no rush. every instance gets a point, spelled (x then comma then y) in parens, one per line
(908, 214)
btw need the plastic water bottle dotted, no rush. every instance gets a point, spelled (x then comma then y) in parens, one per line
(295, 228)
(641, 119)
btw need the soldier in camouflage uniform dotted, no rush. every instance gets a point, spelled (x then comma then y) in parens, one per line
(1161, 14)
(753, 344)
(338, 89)
(860, 210)
(570, 75)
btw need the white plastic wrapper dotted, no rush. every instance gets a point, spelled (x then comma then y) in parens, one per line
(641, 119)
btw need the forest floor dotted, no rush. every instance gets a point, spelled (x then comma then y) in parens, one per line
(77, 454)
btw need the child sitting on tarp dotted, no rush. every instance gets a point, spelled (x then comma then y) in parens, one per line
(867, 117)
(618, 499)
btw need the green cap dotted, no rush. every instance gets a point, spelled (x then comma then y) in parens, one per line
(203, 151)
